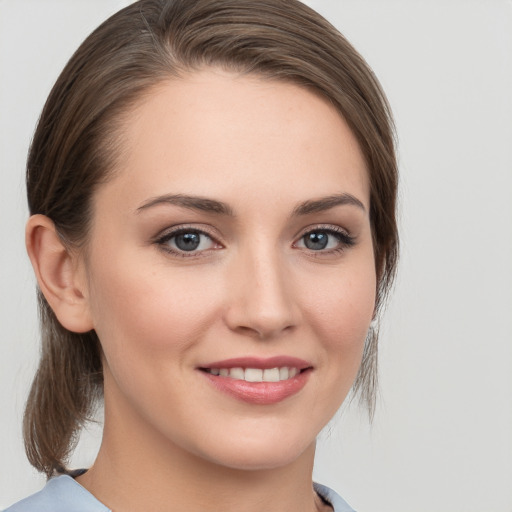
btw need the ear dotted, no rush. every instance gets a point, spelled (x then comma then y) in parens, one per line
(59, 274)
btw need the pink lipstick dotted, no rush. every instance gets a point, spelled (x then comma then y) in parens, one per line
(258, 380)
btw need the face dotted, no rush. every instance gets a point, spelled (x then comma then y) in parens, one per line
(230, 272)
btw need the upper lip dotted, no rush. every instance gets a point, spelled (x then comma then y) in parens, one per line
(260, 362)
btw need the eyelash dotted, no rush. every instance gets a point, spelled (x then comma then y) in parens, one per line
(163, 240)
(344, 239)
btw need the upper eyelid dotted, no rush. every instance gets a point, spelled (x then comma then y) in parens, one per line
(169, 232)
(322, 227)
(344, 236)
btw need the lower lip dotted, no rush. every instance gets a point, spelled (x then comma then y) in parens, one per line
(262, 393)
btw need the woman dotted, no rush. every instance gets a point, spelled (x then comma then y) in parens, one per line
(212, 191)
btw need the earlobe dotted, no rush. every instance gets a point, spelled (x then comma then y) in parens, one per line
(58, 274)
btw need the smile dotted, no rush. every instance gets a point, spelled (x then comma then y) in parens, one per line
(258, 381)
(256, 374)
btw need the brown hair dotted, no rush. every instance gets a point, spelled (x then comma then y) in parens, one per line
(76, 143)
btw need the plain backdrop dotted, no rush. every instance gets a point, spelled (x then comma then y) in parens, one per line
(441, 439)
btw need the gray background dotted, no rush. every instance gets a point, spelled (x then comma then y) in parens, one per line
(441, 439)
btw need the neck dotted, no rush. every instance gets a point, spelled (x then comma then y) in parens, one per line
(140, 470)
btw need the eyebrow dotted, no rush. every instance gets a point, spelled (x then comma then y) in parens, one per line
(326, 203)
(191, 202)
(213, 206)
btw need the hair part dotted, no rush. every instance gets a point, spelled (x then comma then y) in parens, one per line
(79, 139)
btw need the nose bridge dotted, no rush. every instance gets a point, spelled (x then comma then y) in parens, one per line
(261, 298)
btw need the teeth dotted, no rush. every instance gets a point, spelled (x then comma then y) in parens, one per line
(256, 374)
(237, 373)
(271, 375)
(252, 375)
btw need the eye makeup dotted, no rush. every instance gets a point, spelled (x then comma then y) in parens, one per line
(187, 241)
(325, 241)
(192, 241)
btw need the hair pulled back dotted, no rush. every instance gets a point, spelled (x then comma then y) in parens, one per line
(79, 137)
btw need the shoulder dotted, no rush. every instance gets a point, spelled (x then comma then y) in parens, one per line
(337, 502)
(64, 494)
(60, 494)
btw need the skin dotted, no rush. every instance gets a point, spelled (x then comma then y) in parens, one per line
(253, 289)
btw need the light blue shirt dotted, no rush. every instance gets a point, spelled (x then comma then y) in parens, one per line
(65, 494)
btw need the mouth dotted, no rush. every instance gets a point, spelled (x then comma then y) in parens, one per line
(276, 374)
(259, 381)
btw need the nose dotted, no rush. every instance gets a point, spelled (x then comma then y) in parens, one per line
(261, 298)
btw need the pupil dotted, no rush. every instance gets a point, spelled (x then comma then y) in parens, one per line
(316, 241)
(187, 241)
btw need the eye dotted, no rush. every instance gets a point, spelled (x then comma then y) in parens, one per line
(187, 241)
(325, 240)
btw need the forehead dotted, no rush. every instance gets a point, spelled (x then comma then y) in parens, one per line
(213, 129)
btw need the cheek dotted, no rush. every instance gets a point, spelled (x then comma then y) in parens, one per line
(139, 312)
(341, 311)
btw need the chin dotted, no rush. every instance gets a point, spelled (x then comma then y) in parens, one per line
(259, 454)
